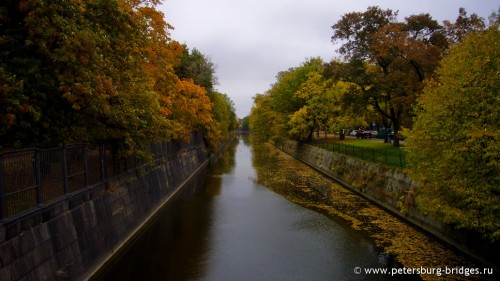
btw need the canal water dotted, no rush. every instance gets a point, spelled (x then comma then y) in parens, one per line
(226, 226)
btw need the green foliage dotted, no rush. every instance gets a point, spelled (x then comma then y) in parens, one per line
(245, 123)
(198, 67)
(264, 121)
(301, 101)
(323, 107)
(288, 83)
(224, 119)
(273, 113)
(454, 146)
(301, 124)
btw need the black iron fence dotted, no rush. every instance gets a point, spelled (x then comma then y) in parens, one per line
(32, 177)
(386, 157)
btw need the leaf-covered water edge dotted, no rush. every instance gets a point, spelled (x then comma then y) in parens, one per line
(304, 186)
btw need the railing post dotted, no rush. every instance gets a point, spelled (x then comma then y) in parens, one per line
(102, 161)
(65, 170)
(385, 152)
(85, 164)
(2, 190)
(400, 160)
(38, 178)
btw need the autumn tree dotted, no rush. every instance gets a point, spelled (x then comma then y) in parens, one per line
(224, 119)
(224, 111)
(264, 121)
(454, 146)
(94, 71)
(82, 71)
(287, 84)
(245, 123)
(272, 111)
(301, 101)
(463, 25)
(323, 107)
(388, 60)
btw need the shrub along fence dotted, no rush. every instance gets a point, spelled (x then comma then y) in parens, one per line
(390, 158)
(33, 177)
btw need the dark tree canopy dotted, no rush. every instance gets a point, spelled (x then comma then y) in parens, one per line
(196, 66)
(355, 30)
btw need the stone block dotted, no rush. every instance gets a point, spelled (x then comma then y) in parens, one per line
(45, 271)
(8, 253)
(3, 234)
(69, 259)
(27, 241)
(22, 266)
(40, 233)
(43, 252)
(90, 214)
(5, 273)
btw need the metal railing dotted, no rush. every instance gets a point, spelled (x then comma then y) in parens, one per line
(390, 158)
(33, 177)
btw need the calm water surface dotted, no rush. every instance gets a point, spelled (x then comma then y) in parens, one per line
(225, 226)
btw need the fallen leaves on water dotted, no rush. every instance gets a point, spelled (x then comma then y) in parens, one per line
(304, 186)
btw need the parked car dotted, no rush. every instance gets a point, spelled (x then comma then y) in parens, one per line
(353, 133)
(363, 134)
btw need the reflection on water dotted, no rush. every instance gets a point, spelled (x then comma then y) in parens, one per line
(304, 186)
(227, 226)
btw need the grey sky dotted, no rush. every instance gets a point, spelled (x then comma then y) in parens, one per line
(250, 41)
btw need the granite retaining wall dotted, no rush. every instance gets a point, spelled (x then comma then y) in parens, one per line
(71, 238)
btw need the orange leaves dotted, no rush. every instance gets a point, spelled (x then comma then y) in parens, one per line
(190, 107)
(187, 107)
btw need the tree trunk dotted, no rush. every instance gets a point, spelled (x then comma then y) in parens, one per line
(310, 136)
(395, 123)
(386, 126)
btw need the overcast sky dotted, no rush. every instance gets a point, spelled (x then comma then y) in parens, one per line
(250, 41)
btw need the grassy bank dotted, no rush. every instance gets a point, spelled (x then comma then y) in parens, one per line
(372, 150)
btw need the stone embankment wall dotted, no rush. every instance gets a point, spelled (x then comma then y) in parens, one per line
(70, 239)
(394, 191)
